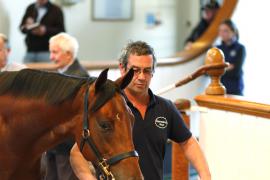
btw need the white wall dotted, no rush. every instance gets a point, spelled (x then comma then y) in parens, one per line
(236, 145)
(251, 19)
(104, 40)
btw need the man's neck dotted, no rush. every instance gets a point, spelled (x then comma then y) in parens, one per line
(141, 99)
(65, 68)
(2, 67)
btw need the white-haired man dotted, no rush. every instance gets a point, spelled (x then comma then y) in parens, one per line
(63, 52)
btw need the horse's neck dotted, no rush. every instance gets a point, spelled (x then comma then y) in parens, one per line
(60, 125)
(41, 125)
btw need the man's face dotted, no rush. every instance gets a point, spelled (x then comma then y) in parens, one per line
(225, 33)
(209, 14)
(42, 2)
(143, 73)
(58, 56)
(3, 53)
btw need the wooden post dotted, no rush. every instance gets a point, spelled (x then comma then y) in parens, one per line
(215, 56)
(180, 166)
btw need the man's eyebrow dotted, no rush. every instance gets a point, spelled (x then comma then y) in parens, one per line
(142, 67)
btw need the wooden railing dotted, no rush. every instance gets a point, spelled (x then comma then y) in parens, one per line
(233, 130)
(234, 133)
(233, 103)
(180, 165)
(199, 47)
(215, 96)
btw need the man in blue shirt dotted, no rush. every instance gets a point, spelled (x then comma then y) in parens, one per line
(156, 119)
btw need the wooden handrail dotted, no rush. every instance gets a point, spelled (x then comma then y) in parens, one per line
(180, 165)
(197, 48)
(199, 72)
(234, 103)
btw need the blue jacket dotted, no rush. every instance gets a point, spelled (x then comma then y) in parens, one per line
(235, 54)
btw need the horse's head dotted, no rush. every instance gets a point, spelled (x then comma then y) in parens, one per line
(107, 129)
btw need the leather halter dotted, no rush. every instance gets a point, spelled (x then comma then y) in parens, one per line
(103, 164)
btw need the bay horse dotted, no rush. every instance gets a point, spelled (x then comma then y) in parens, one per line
(40, 109)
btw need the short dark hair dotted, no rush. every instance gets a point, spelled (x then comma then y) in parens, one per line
(213, 5)
(139, 48)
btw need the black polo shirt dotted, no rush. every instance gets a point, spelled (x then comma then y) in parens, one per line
(162, 121)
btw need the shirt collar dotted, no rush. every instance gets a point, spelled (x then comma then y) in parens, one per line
(46, 5)
(151, 102)
(3, 68)
(65, 68)
(232, 43)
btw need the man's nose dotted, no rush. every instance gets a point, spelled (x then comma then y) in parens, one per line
(141, 75)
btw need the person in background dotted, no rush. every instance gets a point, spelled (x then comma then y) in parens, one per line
(41, 21)
(4, 53)
(63, 52)
(156, 119)
(209, 12)
(235, 54)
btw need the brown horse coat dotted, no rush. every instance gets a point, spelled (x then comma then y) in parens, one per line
(40, 109)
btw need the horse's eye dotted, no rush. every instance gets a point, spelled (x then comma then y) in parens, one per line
(105, 125)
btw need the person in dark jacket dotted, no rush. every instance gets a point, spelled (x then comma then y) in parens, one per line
(209, 12)
(41, 21)
(235, 54)
(63, 52)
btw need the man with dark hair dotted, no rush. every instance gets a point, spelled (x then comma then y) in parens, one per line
(156, 119)
(41, 21)
(209, 12)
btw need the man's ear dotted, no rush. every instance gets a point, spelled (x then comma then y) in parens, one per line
(70, 55)
(122, 69)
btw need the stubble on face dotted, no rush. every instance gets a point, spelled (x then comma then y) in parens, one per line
(140, 82)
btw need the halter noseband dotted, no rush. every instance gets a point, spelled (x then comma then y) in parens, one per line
(103, 164)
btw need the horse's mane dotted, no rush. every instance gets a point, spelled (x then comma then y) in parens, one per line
(54, 87)
(30, 83)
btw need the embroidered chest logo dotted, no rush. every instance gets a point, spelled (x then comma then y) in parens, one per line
(232, 53)
(161, 122)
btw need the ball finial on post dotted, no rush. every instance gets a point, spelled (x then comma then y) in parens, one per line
(215, 56)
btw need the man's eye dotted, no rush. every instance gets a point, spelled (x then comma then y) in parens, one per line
(136, 70)
(148, 71)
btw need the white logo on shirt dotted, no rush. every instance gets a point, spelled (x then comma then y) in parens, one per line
(161, 122)
(233, 53)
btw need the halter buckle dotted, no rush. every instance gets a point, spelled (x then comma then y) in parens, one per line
(105, 168)
(85, 133)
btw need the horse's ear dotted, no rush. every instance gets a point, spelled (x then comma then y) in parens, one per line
(102, 78)
(122, 82)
